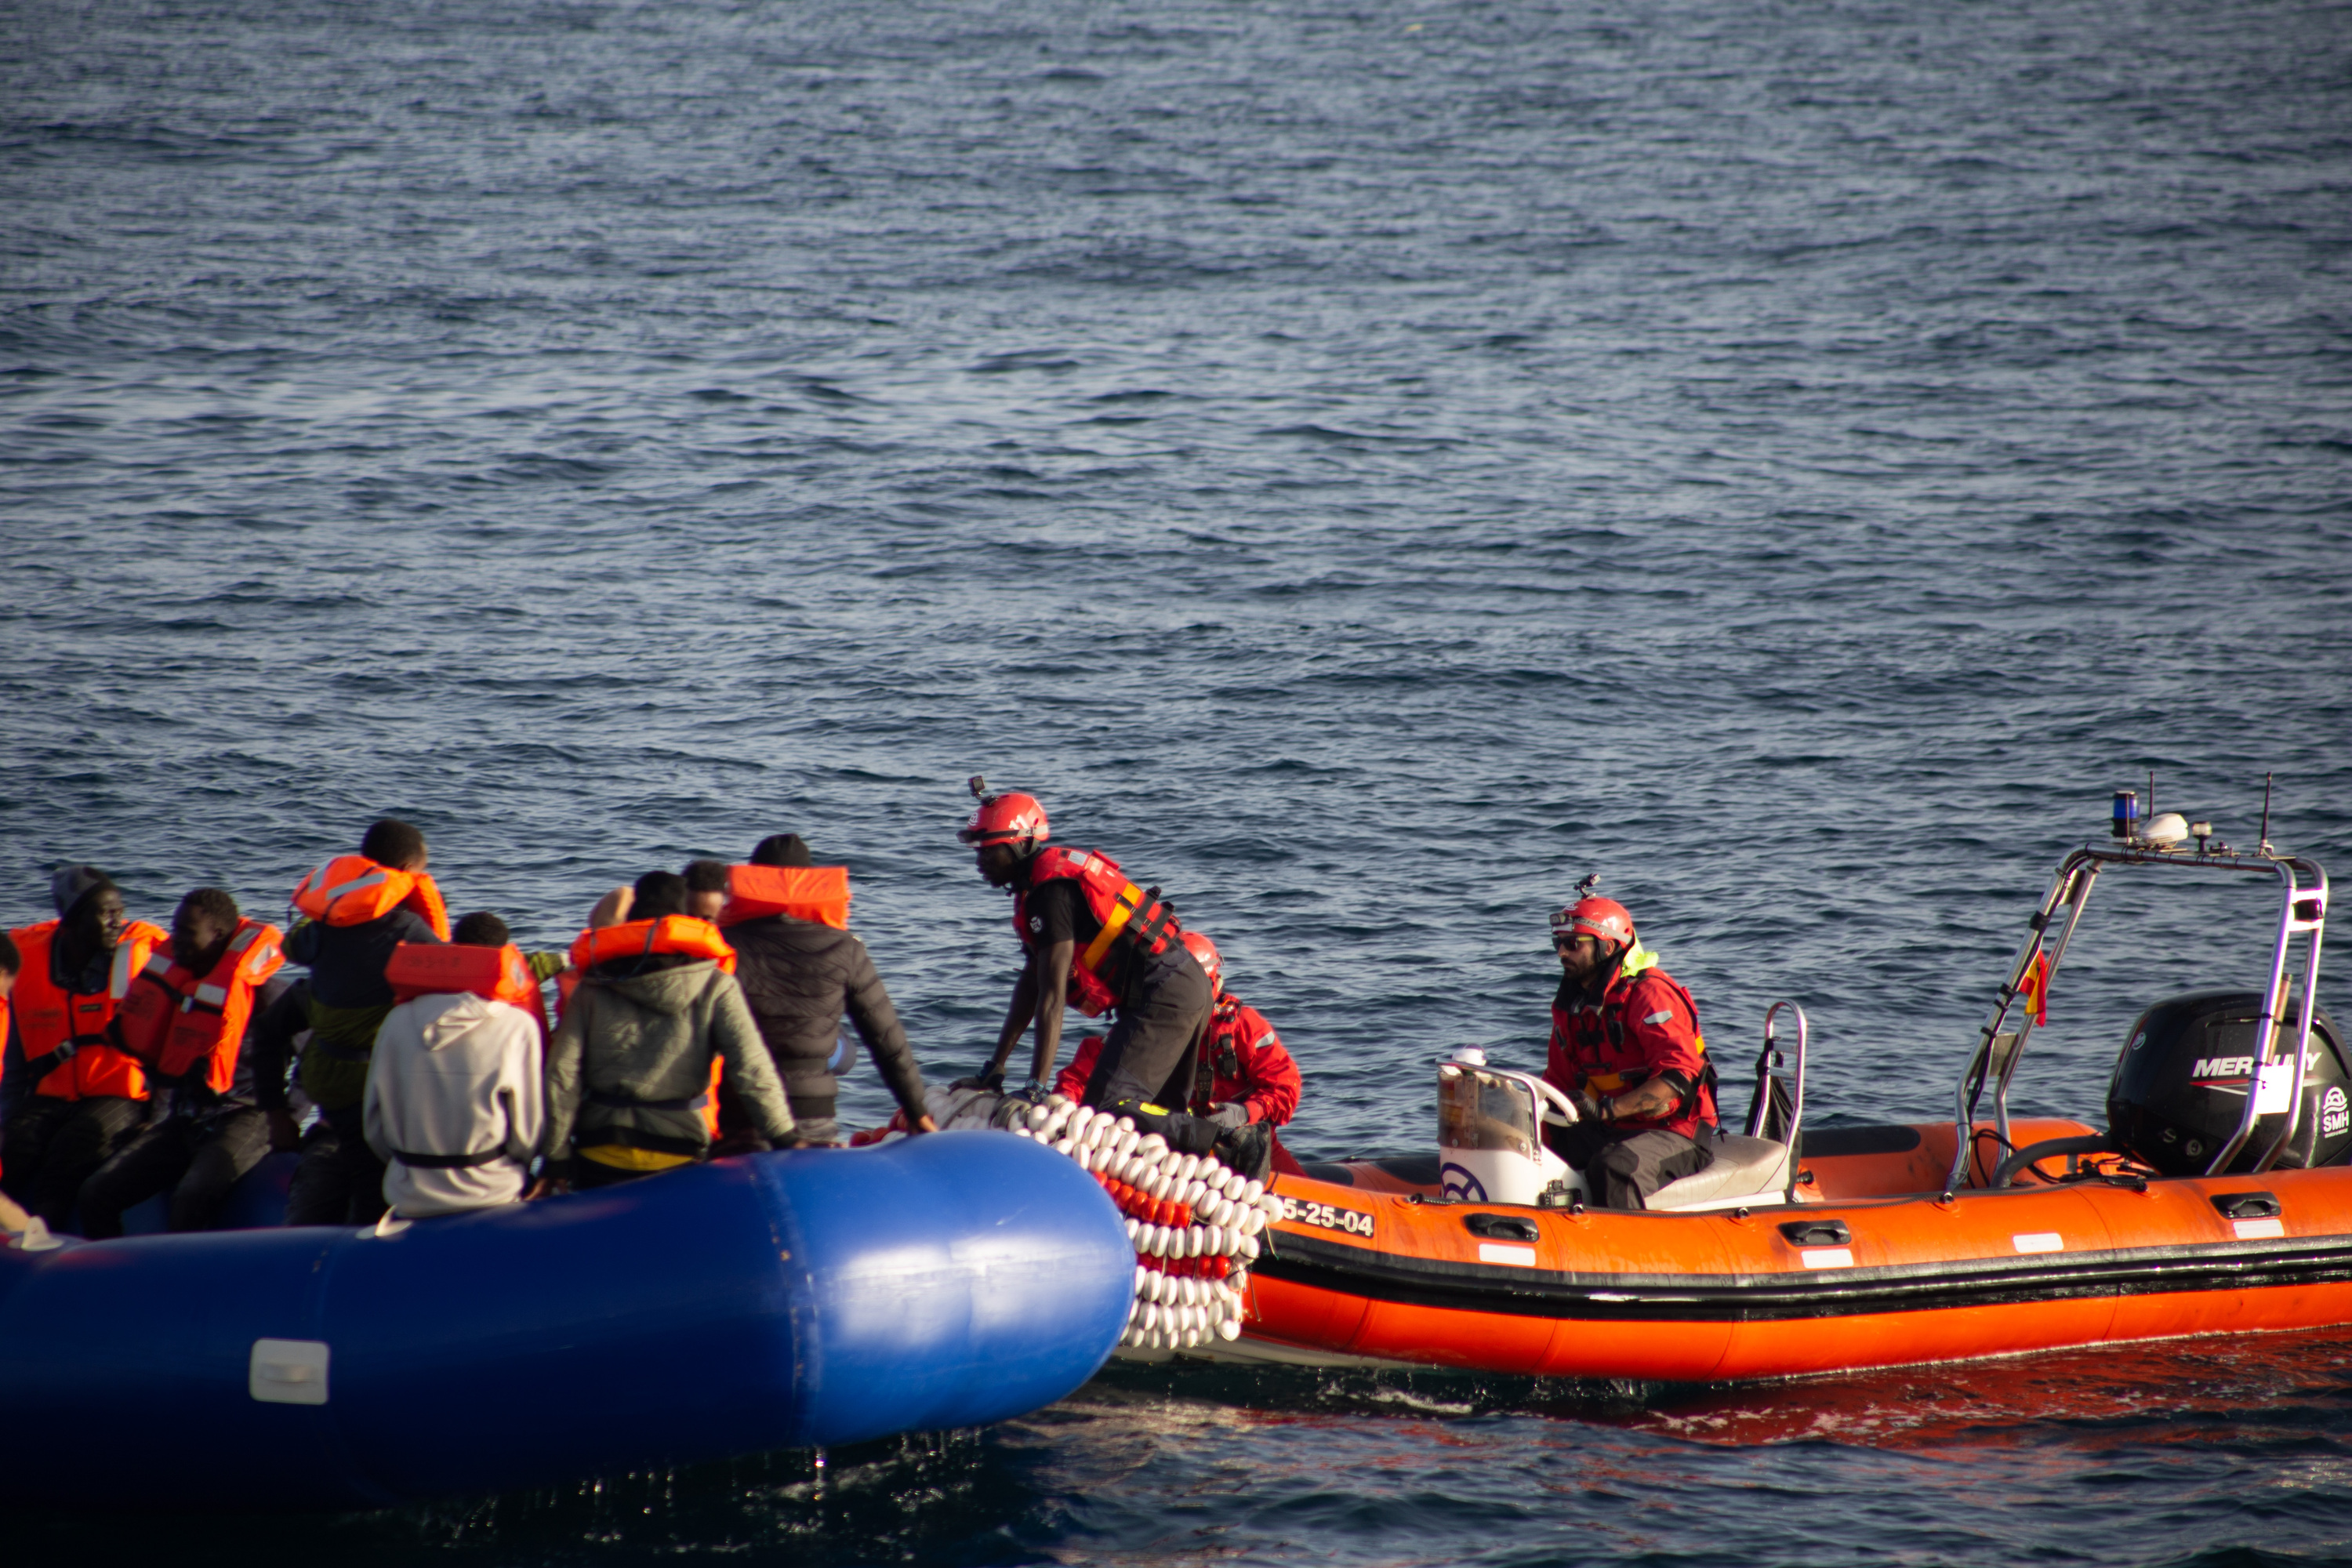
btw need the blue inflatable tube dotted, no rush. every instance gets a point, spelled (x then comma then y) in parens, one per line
(776, 1300)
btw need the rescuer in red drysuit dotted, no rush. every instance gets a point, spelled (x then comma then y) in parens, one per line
(1090, 936)
(1244, 1074)
(1625, 1043)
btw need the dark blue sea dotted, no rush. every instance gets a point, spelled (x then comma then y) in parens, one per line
(1365, 467)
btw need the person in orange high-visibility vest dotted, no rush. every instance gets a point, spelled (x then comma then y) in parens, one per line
(803, 970)
(186, 1019)
(455, 1091)
(356, 909)
(72, 1097)
(629, 1068)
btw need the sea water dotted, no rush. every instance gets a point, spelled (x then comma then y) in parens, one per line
(1365, 469)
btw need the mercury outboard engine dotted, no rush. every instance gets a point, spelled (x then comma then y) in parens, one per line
(2181, 1083)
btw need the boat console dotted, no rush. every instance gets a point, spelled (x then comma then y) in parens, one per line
(1491, 1148)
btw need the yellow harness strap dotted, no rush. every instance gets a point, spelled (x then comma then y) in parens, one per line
(1130, 898)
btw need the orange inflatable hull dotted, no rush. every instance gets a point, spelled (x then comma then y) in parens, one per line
(1368, 1264)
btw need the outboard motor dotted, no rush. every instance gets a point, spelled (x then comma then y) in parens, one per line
(1490, 1146)
(2181, 1083)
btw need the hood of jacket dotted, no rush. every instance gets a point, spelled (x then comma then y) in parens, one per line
(447, 1019)
(664, 990)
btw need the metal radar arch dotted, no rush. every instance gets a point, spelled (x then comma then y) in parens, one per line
(2161, 841)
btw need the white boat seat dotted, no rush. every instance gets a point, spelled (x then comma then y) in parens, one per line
(1744, 1168)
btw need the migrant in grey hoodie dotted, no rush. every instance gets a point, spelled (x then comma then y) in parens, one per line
(455, 1075)
(632, 1055)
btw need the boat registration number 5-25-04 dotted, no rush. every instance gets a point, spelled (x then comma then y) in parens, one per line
(1324, 1217)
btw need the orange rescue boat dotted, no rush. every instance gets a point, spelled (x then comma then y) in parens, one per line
(2216, 1200)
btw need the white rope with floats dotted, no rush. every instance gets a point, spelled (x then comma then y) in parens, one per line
(1194, 1223)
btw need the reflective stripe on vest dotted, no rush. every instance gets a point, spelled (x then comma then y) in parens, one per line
(374, 878)
(47, 1015)
(185, 1024)
(368, 892)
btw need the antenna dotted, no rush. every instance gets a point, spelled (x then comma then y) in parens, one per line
(2265, 840)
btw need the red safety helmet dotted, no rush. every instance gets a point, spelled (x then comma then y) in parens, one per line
(1604, 918)
(1204, 952)
(1012, 818)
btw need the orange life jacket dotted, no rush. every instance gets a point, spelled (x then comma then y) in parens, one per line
(636, 938)
(1127, 914)
(494, 974)
(819, 894)
(176, 1022)
(47, 1016)
(352, 890)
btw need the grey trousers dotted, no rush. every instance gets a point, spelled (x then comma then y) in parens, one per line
(1624, 1168)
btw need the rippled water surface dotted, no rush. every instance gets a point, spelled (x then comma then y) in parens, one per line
(1365, 469)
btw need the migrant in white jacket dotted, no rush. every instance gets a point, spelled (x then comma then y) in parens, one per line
(455, 1076)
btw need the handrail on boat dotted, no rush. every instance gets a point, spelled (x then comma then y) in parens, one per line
(1772, 1068)
(2303, 910)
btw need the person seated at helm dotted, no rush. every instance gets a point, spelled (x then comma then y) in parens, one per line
(1625, 1044)
(456, 1094)
(68, 1094)
(188, 1018)
(628, 1070)
(357, 909)
(1090, 936)
(800, 977)
(1245, 1077)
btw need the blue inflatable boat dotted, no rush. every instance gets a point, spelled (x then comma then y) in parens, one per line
(771, 1301)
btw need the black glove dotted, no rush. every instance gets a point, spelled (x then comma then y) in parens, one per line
(1249, 1149)
(1587, 1107)
(990, 1080)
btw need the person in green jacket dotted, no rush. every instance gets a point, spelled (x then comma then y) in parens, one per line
(628, 1070)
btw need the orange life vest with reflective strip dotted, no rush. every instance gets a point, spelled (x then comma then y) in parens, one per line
(47, 1016)
(352, 890)
(1127, 915)
(818, 894)
(494, 974)
(178, 1023)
